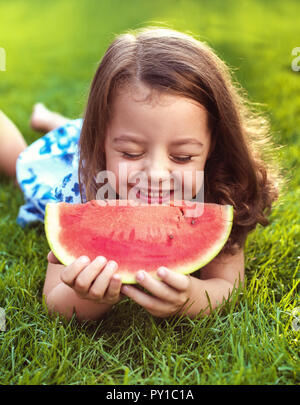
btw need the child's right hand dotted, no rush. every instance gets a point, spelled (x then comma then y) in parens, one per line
(94, 280)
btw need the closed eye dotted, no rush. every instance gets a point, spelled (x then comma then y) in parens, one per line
(178, 158)
(182, 158)
(131, 156)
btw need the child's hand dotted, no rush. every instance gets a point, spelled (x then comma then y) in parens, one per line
(94, 280)
(168, 296)
(52, 258)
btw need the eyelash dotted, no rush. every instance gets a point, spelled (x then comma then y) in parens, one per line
(180, 159)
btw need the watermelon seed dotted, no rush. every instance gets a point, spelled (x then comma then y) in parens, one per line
(193, 221)
(171, 236)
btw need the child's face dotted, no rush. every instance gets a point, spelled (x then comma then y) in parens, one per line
(166, 139)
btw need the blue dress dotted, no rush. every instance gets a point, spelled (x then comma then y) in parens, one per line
(47, 171)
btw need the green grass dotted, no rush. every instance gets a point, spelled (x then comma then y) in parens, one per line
(52, 49)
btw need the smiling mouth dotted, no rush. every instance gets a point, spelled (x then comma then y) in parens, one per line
(152, 196)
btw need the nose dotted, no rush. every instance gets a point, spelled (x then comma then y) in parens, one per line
(157, 169)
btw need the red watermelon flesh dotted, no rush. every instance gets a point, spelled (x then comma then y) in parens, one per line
(138, 236)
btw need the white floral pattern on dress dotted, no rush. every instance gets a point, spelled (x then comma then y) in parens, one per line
(47, 171)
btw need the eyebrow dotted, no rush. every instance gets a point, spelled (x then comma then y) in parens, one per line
(183, 141)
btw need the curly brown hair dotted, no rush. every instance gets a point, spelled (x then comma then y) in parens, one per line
(239, 170)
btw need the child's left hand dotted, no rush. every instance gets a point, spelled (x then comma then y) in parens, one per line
(169, 294)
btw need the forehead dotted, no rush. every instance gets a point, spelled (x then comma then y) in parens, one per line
(144, 111)
(149, 98)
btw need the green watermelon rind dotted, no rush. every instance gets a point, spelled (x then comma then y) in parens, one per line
(52, 230)
(59, 252)
(215, 249)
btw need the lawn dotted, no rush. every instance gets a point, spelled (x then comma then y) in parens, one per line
(52, 50)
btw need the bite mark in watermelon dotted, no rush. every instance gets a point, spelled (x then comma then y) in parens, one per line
(138, 237)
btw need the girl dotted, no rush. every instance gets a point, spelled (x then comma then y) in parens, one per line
(160, 101)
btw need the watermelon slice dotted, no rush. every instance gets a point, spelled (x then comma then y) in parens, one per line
(138, 236)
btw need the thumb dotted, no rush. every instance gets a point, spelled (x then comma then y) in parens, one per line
(52, 258)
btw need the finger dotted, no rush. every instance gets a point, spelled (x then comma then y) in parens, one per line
(69, 273)
(101, 282)
(52, 258)
(156, 287)
(86, 277)
(146, 301)
(176, 280)
(114, 287)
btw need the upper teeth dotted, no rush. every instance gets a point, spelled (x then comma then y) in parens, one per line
(154, 194)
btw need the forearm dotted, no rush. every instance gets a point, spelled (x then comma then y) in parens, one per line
(64, 300)
(216, 288)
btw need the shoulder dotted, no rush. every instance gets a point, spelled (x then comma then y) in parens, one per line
(228, 266)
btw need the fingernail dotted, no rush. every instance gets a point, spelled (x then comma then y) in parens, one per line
(124, 288)
(113, 265)
(140, 276)
(101, 259)
(84, 259)
(161, 272)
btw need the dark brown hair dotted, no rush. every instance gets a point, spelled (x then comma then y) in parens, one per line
(168, 61)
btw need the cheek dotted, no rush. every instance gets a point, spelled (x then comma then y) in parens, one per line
(121, 173)
(192, 180)
(112, 167)
(113, 163)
